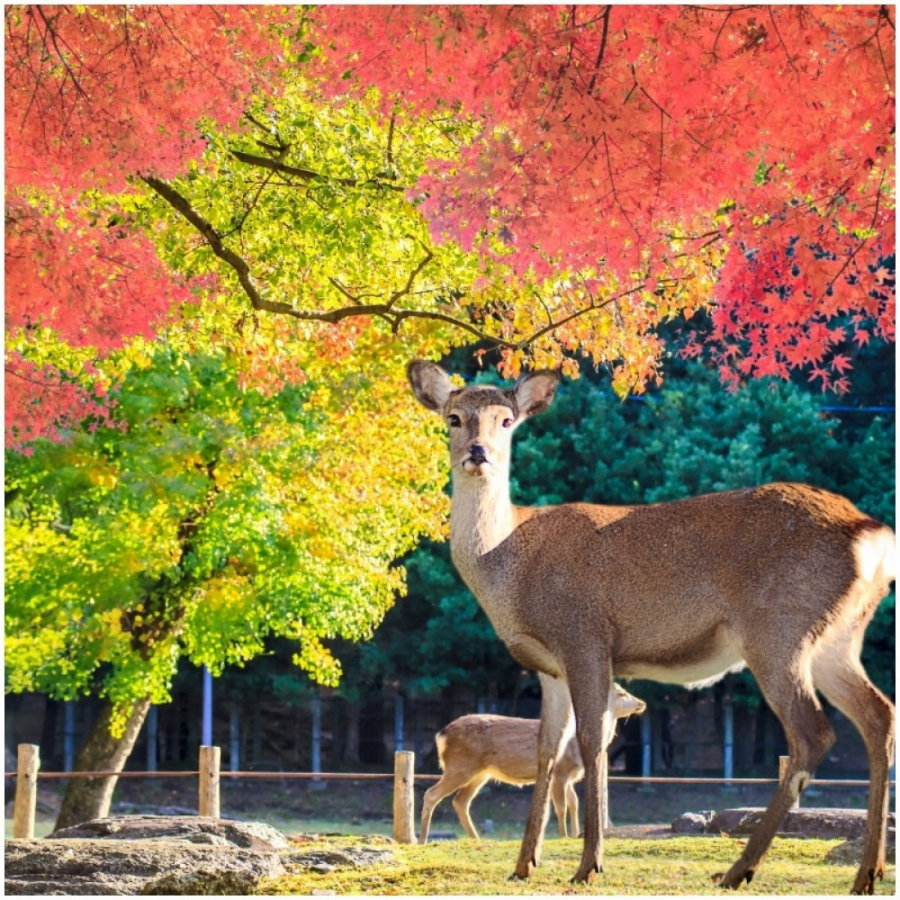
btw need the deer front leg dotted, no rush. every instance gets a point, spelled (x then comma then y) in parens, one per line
(593, 721)
(556, 719)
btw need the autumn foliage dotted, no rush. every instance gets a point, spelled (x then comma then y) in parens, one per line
(612, 167)
(632, 136)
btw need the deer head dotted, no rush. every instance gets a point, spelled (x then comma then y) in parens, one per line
(481, 420)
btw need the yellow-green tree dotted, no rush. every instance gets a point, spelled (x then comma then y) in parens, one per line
(205, 516)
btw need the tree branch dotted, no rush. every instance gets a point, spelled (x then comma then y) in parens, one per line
(264, 162)
(600, 55)
(412, 277)
(386, 311)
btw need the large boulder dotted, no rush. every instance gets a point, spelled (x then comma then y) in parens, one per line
(809, 823)
(196, 829)
(166, 855)
(87, 866)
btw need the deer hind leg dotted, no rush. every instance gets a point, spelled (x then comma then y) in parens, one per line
(839, 675)
(463, 800)
(559, 795)
(443, 788)
(556, 720)
(572, 806)
(787, 687)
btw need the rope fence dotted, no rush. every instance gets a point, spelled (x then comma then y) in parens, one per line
(209, 777)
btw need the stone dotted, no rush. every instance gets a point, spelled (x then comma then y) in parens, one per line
(85, 866)
(850, 852)
(252, 835)
(169, 855)
(810, 823)
(346, 857)
(692, 823)
(438, 835)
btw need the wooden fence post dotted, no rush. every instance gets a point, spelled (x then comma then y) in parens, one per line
(29, 761)
(209, 781)
(404, 796)
(782, 774)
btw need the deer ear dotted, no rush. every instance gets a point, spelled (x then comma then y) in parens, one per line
(535, 392)
(430, 383)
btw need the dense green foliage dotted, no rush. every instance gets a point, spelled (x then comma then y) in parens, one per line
(212, 516)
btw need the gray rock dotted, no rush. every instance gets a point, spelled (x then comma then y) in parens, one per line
(162, 855)
(692, 823)
(810, 823)
(201, 883)
(345, 857)
(252, 835)
(166, 855)
(85, 866)
(850, 852)
(215, 840)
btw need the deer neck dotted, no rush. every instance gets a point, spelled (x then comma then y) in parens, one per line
(481, 518)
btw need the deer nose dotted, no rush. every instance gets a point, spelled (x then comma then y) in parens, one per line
(477, 453)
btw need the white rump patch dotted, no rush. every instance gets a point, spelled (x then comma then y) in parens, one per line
(876, 556)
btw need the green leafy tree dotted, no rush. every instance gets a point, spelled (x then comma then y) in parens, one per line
(211, 516)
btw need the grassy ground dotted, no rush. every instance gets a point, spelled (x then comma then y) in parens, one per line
(675, 866)
(325, 817)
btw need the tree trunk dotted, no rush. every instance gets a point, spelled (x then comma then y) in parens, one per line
(89, 798)
(351, 747)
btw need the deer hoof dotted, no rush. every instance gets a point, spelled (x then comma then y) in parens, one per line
(523, 873)
(733, 881)
(865, 881)
(583, 876)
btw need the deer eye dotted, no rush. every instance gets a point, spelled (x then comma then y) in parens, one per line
(453, 419)
(507, 423)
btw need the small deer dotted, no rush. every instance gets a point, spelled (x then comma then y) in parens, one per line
(782, 578)
(473, 750)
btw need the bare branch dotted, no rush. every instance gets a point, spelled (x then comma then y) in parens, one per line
(412, 277)
(390, 141)
(62, 58)
(387, 311)
(592, 307)
(264, 162)
(602, 51)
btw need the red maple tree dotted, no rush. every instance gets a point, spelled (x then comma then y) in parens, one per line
(615, 137)
(94, 96)
(607, 129)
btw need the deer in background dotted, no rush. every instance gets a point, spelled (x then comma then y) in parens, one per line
(782, 579)
(473, 750)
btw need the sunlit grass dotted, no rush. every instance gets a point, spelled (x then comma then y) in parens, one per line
(649, 867)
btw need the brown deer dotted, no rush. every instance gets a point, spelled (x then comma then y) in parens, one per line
(475, 749)
(782, 579)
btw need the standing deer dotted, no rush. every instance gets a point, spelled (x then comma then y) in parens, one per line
(782, 579)
(472, 750)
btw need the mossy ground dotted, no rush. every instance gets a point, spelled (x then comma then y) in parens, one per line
(674, 866)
